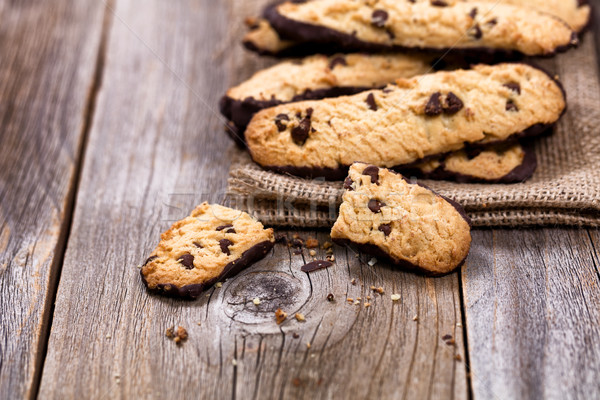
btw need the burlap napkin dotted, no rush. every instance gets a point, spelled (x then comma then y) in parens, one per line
(565, 190)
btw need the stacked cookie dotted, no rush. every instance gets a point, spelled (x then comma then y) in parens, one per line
(379, 99)
(462, 124)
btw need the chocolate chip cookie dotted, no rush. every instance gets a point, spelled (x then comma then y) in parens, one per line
(316, 77)
(384, 214)
(427, 115)
(508, 163)
(211, 244)
(381, 25)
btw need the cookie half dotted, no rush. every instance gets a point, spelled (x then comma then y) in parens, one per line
(428, 115)
(385, 215)
(316, 77)
(211, 244)
(432, 24)
(509, 163)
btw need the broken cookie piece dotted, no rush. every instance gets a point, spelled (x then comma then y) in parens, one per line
(211, 244)
(423, 230)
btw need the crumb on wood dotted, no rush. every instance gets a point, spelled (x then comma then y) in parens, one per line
(395, 297)
(350, 300)
(312, 243)
(327, 245)
(170, 333)
(458, 357)
(372, 262)
(280, 316)
(219, 284)
(330, 258)
(416, 318)
(295, 335)
(308, 345)
(446, 337)
(353, 281)
(256, 301)
(312, 253)
(377, 289)
(367, 305)
(300, 317)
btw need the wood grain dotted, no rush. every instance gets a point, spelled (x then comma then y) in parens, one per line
(533, 314)
(156, 149)
(47, 68)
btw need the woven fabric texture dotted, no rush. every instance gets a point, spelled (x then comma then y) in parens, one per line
(565, 189)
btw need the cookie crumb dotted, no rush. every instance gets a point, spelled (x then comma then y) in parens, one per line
(458, 357)
(395, 297)
(356, 302)
(312, 243)
(280, 316)
(327, 245)
(312, 253)
(330, 258)
(372, 262)
(415, 318)
(170, 333)
(234, 362)
(378, 289)
(367, 305)
(368, 297)
(350, 300)
(108, 336)
(295, 335)
(256, 301)
(199, 323)
(300, 317)
(353, 281)
(219, 284)
(308, 345)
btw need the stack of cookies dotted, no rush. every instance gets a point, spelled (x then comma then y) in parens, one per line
(400, 84)
(379, 92)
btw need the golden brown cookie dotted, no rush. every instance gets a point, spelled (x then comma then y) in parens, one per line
(426, 24)
(384, 214)
(428, 115)
(317, 77)
(211, 244)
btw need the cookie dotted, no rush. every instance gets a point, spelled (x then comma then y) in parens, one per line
(316, 77)
(427, 115)
(576, 13)
(381, 25)
(385, 215)
(264, 40)
(509, 163)
(211, 244)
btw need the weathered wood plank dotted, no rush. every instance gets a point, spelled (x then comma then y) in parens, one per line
(533, 314)
(156, 149)
(49, 56)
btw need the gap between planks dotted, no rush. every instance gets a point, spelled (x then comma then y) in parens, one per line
(65, 229)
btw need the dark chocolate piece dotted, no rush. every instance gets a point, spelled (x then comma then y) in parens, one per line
(225, 243)
(439, 3)
(373, 172)
(316, 265)
(378, 18)
(300, 133)
(453, 104)
(370, 100)
(386, 229)
(476, 32)
(434, 106)
(191, 292)
(150, 259)
(348, 183)
(197, 244)
(514, 86)
(278, 121)
(220, 228)
(187, 260)
(375, 205)
(339, 60)
(473, 13)
(511, 106)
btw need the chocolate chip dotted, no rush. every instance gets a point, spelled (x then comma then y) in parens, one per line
(375, 205)
(581, 3)
(187, 260)
(370, 100)
(434, 106)
(330, 297)
(315, 265)
(225, 243)
(390, 34)
(339, 60)
(295, 335)
(453, 104)
(297, 242)
(514, 86)
(197, 244)
(439, 3)
(309, 112)
(348, 183)
(446, 337)
(476, 32)
(492, 22)
(385, 228)
(388, 89)
(278, 121)
(220, 228)
(280, 238)
(378, 18)
(373, 172)
(473, 12)
(300, 133)
(150, 259)
(510, 106)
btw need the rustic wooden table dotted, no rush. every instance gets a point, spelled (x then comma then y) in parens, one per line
(109, 131)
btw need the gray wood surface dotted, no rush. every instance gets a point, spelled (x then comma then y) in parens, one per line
(524, 312)
(47, 64)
